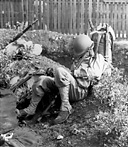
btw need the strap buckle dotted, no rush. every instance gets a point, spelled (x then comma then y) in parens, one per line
(7, 136)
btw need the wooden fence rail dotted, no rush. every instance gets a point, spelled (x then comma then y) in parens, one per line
(66, 16)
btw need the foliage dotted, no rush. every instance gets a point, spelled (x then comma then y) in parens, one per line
(111, 97)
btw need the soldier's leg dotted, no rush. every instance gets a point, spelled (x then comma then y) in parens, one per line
(64, 80)
(44, 84)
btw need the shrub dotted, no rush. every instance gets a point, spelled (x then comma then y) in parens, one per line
(111, 122)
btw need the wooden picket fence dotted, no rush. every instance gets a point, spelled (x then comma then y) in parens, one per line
(66, 16)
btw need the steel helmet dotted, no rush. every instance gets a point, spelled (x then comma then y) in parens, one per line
(81, 44)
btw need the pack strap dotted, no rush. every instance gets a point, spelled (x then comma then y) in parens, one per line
(98, 42)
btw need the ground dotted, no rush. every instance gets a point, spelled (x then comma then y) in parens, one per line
(78, 129)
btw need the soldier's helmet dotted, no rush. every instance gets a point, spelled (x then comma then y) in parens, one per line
(81, 44)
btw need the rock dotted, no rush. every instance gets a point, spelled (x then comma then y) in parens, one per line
(28, 45)
(59, 137)
(10, 49)
(37, 49)
(21, 41)
(14, 80)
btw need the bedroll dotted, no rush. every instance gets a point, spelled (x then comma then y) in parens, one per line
(8, 119)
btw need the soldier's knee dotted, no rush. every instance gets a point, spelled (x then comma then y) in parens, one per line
(37, 89)
(58, 70)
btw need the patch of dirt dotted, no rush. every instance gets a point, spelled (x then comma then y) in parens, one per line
(76, 131)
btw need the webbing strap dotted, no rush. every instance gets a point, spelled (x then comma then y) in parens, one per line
(98, 42)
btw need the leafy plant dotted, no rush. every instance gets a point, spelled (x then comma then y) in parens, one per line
(112, 120)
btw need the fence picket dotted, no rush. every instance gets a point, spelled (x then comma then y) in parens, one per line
(86, 17)
(46, 15)
(115, 18)
(108, 12)
(1, 20)
(22, 10)
(55, 14)
(119, 20)
(78, 17)
(6, 13)
(74, 16)
(71, 17)
(94, 12)
(40, 14)
(66, 17)
(51, 22)
(3, 12)
(15, 12)
(123, 20)
(36, 12)
(97, 17)
(90, 9)
(26, 10)
(101, 13)
(121, 25)
(59, 15)
(63, 16)
(12, 13)
(29, 11)
(82, 16)
(112, 13)
(104, 13)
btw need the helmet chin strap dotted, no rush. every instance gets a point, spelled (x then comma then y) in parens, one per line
(91, 52)
(85, 56)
